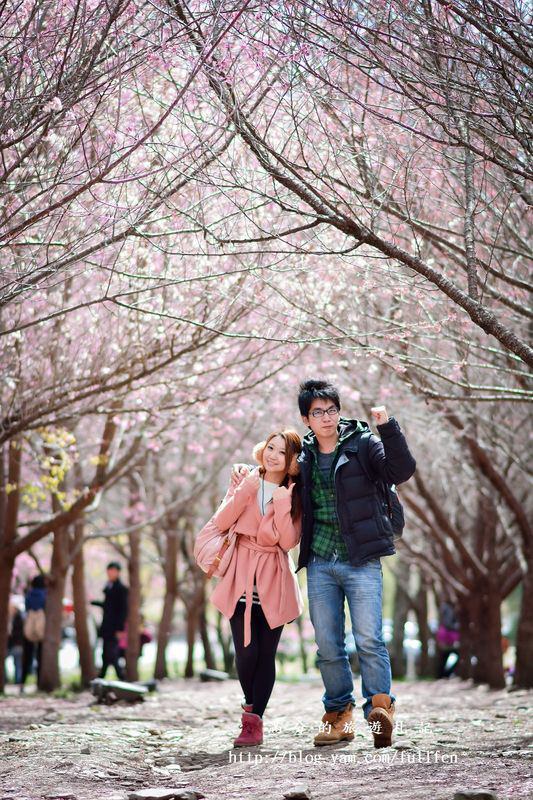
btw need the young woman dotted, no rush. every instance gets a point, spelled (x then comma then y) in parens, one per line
(259, 591)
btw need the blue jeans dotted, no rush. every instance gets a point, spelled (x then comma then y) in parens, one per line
(329, 582)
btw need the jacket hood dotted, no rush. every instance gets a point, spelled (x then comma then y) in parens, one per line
(346, 427)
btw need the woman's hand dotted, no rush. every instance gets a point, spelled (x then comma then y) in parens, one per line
(282, 492)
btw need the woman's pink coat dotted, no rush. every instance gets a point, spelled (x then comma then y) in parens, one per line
(261, 550)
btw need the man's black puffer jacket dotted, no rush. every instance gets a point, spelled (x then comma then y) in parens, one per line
(363, 518)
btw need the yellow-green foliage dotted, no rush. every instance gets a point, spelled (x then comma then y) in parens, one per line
(54, 461)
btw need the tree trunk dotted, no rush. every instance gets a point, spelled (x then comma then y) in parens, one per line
(421, 610)
(209, 658)
(49, 677)
(6, 576)
(524, 635)
(401, 610)
(480, 648)
(163, 635)
(79, 596)
(3, 493)
(465, 615)
(8, 526)
(225, 644)
(171, 591)
(488, 666)
(193, 614)
(134, 607)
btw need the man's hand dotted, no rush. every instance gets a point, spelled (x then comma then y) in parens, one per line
(238, 472)
(252, 482)
(380, 414)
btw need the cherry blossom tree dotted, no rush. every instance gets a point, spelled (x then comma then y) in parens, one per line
(201, 204)
(331, 159)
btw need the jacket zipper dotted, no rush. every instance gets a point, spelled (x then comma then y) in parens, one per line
(336, 507)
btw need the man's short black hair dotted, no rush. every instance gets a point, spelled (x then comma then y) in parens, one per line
(114, 565)
(316, 390)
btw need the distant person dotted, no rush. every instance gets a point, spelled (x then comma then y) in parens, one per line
(447, 639)
(33, 628)
(115, 607)
(15, 640)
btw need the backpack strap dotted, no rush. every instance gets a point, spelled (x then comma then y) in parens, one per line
(364, 444)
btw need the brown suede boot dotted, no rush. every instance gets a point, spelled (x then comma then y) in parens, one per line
(380, 720)
(338, 727)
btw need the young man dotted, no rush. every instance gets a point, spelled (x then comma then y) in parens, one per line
(345, 532)
(115, 606)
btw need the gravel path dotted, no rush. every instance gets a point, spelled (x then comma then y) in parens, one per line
(450, 735)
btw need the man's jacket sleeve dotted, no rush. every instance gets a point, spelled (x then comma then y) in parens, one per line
(390, 457)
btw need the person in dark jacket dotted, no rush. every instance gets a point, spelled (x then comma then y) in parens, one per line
(35, 601)
(115, 606)
(346, 530)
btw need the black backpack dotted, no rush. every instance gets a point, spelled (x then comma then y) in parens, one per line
(387, 493)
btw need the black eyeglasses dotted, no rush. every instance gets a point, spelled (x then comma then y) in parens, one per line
(332, 411)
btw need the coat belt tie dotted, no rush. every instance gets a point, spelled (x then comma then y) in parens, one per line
(257, 549)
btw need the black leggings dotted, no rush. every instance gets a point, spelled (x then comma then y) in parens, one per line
(256, 664)
(31, 651)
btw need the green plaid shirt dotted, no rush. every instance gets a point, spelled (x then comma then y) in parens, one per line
(327, 537)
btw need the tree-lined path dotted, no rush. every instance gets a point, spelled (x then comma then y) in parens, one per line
(201, 205)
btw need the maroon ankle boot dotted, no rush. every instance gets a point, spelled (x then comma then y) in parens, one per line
(251, 731)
